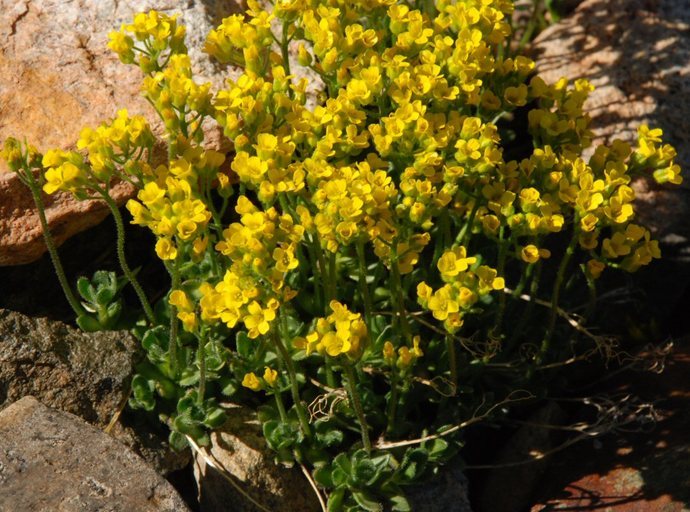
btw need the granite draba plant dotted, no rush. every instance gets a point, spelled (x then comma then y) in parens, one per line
(356, 269)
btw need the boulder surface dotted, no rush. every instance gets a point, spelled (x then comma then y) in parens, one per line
(51, 460)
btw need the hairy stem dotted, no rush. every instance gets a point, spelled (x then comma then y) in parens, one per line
(201, 355)
(560, 276)
(364, 288)
(357, 406)
(172, 341)
(294, 385)
(399, 301)
(452, 361)
(50, 244)
(120, 228)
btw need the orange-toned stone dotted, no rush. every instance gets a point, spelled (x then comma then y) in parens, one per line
(56, 76)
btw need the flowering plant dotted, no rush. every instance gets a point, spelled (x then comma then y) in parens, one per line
(358, 264)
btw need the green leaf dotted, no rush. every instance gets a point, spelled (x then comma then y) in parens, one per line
(326, 434)
(88, 323)
(142, 393)
(185, 423)
(228, 386)
(85, 289)
(400, 504)
(245, 346)
(413, 464)
(178, 442)
(104, 296)
(364, 472)
(339, 477)
(335, 500)
(367, 502)
(324, 476)
(113, 311)
(438, 448)
(343, 462)
(215, 417)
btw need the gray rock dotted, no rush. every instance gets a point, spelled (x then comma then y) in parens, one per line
(53, 461)
(447, 492)
(637, 54)
(509, 488)
(86, 374)
(240, 449)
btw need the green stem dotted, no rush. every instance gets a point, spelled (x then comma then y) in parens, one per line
(201, 355)
(467, 228)
(294, 385)
(357, 406)
(524, 278)
(527, 314)
(500, 269)
(392, 403)
(592, 287)
(50, 244)
(323, 274)
(333, 273)
(399, 301)
(286, 54)
(120, 228)
(452, 361)
(280, 406)
(316, 274)
(546, 343)
(364, 288)
(172, 342)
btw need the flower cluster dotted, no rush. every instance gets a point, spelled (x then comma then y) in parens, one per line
(109, 147)
(465, 285)
(261, 251)
(170, 203)
(149, 40)
(343, 332)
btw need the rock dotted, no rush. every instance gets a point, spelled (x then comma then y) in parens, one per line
(637, 55)
(509, 488)
(51, 460)
(448, 491)
(240, 449)
(641, 467)
(86, 374)
(21, 235)
(57, 75)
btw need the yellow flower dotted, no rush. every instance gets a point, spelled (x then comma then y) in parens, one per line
(270, 376)
(452, 262)
(165, 249)
(258, 320)
(532, 254)
(441, 304)
(181, 301)
(251, 381)
(335, 344)
(388, 352)
(65, 177)
(595, 268)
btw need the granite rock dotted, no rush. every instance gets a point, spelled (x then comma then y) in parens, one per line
(85, 374)
(57, 75)
(54, 461)
(240, 450)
